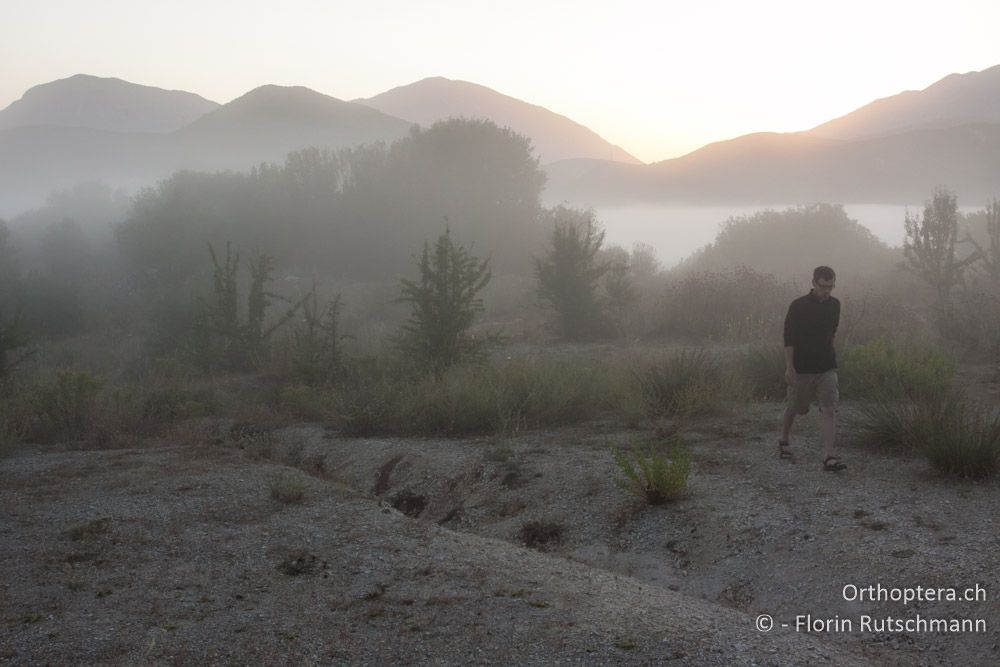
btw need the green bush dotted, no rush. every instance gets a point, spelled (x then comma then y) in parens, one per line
(884, 370)
(651, 475)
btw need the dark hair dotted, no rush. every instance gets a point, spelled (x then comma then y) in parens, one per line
(824, 273)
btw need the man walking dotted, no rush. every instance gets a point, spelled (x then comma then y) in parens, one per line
(811, 363)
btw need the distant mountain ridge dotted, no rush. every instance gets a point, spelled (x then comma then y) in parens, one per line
(105, 104)
(894, 150)
(263, 125)
(269, 121)
(957, 99)
(797, 168)
(555, 137)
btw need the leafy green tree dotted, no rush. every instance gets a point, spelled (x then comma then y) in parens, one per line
(929, 246)
(569, 274)
(444, 304)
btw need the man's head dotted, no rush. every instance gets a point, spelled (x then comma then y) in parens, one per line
(824, 280)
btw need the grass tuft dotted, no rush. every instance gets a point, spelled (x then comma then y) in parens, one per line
(653, 476)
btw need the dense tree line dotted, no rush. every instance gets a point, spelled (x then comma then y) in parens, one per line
(356, 213)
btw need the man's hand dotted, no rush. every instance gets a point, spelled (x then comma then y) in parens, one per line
(790, 376)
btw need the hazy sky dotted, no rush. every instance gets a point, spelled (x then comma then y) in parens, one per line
(659, 78)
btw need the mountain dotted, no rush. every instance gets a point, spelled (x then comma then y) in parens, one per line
(554, 137)
(895, 150)
(105, 104)
(262, 126)
(269, 121)
(771, 168)
(957, 99)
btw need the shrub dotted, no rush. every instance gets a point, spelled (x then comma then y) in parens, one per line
(956, 437)
(367, 401)
(763, 369)
(13, 340)
(307, 402)
(652, 476)
(507, 397)
(884, 370)
(67, 407)
(893, 425)
(143, 410)
(687, 383)
(287, 488)
(962, 440)
(737, 304)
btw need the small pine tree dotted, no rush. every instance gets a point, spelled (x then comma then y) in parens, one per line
(569, 274)
(444, 304)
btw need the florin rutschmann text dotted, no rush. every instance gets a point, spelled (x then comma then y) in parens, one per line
(914, 624)
(881, 622)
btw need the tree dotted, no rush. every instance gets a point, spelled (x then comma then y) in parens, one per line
(990, 256)
(569, 273)
(444, 304)
(243, 344)
(10, 273)
(929, 246)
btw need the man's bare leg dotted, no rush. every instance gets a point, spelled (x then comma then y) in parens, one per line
(786, 423)
(828, 430)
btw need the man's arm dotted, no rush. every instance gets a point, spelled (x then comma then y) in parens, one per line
(790, 328)
(836, 317)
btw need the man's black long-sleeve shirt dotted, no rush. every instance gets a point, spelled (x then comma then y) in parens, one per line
(809, 328)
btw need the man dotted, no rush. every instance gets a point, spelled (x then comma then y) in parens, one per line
(811, 363)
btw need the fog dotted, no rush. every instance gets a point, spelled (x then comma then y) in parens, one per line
(675, 232)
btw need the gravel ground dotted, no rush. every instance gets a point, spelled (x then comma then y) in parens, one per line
(415, 551)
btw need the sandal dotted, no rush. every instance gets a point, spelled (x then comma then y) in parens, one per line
(833, 464)
(785, 450)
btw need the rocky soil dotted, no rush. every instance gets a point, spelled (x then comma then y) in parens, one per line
(519, 550)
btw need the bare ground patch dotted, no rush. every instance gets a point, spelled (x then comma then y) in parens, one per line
(180, 555)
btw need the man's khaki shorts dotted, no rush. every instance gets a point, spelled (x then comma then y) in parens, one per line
(809, 387)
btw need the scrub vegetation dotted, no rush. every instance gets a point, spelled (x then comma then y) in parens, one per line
(421, 288)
